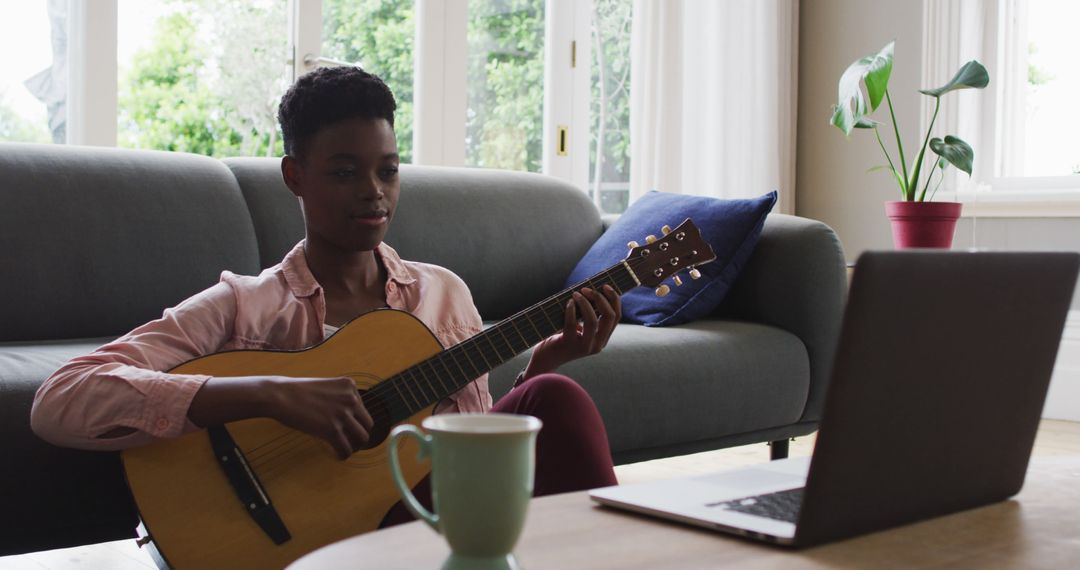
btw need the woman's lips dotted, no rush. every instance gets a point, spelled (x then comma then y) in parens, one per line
(374, 219)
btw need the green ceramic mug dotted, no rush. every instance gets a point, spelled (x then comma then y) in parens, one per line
(482, 468)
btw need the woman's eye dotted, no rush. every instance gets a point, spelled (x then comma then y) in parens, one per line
(344, 173)
(390, 171)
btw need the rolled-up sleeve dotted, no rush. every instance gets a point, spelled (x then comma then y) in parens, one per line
(121, 396)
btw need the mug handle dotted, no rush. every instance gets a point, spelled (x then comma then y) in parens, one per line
(411, 503)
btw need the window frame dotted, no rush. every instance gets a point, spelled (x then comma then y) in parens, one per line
(1002, 48)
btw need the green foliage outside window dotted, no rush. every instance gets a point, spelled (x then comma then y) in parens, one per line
(504, 121)
(210, 81)
(379, 35)
(163, 102)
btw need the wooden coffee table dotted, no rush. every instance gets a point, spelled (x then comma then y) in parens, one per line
(1039, 528)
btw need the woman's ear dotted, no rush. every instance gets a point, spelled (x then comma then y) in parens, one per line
(292, 173)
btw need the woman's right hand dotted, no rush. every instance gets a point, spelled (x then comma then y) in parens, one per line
(327, 408)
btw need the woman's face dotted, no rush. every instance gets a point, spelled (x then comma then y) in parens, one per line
(348, 183)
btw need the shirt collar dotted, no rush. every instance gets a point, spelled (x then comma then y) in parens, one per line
(396, 270)
(303, 284)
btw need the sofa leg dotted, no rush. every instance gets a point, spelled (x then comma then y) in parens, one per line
(778, 449)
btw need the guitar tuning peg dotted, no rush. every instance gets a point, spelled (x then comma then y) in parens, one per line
(650, 238)
(632, 244)
(666, 230)
(662, 291)
(677, 280)
(695, 274)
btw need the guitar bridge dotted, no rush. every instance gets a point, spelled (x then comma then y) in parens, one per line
(249, 490)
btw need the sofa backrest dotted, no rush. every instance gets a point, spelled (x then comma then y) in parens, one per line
(96, 241)
(513, 237)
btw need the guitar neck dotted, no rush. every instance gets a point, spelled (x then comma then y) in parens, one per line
(451, 370)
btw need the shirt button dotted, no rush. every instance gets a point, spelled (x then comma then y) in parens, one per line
(162, 423)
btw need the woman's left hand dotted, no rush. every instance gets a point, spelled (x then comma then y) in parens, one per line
(590, 317)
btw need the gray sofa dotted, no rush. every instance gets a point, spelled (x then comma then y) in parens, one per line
(96, 241)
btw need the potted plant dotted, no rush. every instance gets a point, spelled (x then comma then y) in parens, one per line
(917, 221)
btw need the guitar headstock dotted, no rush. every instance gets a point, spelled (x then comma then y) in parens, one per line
(659, 259)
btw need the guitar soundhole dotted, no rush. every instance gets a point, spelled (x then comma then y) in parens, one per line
(379, 410)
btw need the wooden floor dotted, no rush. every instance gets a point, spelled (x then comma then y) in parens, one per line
(1054, 438)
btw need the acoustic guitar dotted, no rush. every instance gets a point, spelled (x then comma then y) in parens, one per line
(257, 494)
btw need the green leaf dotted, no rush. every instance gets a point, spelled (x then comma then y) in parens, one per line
(866, 123)
(971, 76)
(954, 150)
(851, 105)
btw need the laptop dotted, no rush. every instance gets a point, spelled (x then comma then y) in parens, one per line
(937, 388)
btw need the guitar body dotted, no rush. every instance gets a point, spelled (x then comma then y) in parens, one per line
(190, 509)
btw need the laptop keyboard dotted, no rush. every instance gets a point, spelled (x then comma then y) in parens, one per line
(780, 506)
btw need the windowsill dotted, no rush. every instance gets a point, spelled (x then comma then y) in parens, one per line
(1017, 204)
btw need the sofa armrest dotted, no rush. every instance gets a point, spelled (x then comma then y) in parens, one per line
(796, 280)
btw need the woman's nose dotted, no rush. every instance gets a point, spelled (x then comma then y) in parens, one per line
(371, 188)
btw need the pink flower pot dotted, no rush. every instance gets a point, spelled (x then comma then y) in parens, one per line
(923, 224)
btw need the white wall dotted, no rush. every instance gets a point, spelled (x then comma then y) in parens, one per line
(832, 184)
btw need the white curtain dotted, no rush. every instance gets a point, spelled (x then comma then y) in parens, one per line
(713, 98)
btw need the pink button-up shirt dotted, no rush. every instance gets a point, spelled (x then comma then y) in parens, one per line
(124, 384)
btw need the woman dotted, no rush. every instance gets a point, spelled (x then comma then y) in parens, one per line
(342, 163)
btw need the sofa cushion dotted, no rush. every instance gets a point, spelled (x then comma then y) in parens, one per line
(275, 211)
(731, 227)
(661, 387)
(79, 496)
(99, 240)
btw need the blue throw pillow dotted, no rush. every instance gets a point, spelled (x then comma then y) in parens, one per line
(731, 227)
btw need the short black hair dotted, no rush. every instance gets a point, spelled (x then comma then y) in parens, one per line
(326, 96)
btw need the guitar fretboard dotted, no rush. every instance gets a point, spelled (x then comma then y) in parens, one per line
(427, 382)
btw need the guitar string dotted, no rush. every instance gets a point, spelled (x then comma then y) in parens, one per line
(551, 309)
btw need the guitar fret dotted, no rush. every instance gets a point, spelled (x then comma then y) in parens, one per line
(427, 378)
(401, 395)
(449, 374)
(409, 389)
(544, 311)
(480, 352)
(476, 369)
(619, 289)
(558, 313)
(524, 341)
(498, 356)
(539, 335)
(506, 340)
(464, 375)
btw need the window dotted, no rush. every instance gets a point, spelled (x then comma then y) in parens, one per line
(379, 36)
(504, 117)
(33, 78)
(1042, 92)
(1021, 125)
(488, 83)
(201, 76)
(609, 144)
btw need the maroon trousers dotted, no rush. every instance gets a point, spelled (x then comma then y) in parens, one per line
(572, 452)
